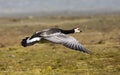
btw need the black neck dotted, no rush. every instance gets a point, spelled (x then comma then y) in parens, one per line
(67, 31)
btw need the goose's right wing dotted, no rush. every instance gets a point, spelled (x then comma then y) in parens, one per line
(67, 41)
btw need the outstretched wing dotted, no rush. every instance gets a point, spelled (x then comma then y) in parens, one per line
(67, 41)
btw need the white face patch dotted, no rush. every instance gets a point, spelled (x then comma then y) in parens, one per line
(33, 40)
(77, 30)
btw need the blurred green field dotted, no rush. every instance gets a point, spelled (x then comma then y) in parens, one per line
(101, 35)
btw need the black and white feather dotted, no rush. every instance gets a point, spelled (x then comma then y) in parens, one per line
(57, 36)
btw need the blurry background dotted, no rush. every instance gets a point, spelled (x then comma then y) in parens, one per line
(57, 7)
(98, 19)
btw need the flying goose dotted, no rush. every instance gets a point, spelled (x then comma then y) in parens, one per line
(57, 36)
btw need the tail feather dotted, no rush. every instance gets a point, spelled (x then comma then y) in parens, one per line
(23, 42)
(28, 41)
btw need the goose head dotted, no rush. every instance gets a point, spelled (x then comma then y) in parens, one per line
(77, 30)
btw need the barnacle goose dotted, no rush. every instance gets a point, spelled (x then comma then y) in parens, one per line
(57, 36)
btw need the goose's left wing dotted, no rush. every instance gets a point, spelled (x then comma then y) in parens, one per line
(67, 41)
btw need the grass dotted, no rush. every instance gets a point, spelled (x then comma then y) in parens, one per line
(100, 35)
(37, 60)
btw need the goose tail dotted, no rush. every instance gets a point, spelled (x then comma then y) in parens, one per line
(30, 41)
